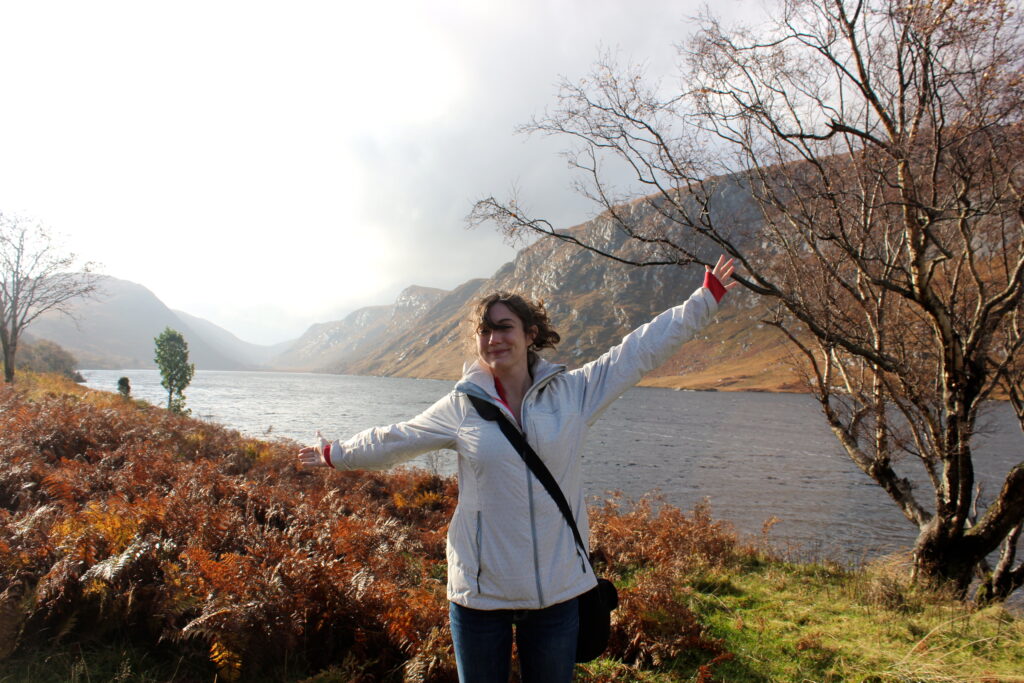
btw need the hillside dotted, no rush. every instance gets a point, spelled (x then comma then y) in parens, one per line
(229, 345)
(116, 329)
(593, 302)
(331, 346)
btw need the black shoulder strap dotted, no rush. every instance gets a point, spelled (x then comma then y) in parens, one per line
(490, 412)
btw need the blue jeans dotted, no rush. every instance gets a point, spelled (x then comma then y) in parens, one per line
(546, 639)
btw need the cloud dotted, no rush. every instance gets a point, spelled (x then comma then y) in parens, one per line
(268, 165)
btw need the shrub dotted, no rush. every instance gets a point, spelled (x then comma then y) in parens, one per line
(46, 356)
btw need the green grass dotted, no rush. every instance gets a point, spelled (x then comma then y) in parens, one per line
(815, 622)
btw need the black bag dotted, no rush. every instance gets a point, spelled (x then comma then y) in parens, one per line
(596, 605)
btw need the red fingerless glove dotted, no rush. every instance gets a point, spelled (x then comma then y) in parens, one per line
(713, 285)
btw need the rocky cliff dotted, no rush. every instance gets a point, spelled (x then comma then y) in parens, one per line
(593, 302)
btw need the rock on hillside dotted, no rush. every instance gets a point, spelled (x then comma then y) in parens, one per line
(322, 341)
(433, 345)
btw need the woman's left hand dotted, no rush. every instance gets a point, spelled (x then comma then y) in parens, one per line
(723, 270)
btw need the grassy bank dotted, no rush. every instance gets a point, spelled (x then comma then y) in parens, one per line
(813, 622)
(137, 545)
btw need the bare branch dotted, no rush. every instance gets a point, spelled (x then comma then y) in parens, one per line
(34, 279)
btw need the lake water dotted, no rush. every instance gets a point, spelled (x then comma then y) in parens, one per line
(753, 455)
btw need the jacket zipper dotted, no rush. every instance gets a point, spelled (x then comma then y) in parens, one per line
(529, 489)
(529, 492)
(479, 548)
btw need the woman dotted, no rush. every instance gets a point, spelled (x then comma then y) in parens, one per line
(512, 558)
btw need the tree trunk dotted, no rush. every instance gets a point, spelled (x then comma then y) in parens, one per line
(9, 350)
(940, 558)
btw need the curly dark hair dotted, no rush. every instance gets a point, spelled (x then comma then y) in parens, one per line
(531, 313)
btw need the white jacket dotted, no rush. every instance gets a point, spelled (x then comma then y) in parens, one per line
(509, 547)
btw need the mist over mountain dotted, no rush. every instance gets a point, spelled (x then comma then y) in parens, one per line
(332, 346)
(226, 343)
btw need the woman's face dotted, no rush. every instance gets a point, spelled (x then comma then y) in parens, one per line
(505, 344)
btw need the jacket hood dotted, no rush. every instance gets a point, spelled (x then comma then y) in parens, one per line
(478, 381)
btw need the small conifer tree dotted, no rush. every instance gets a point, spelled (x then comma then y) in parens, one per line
(175, 370)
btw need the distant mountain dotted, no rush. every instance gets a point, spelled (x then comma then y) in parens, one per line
(416, 348)
(333, 346)
(230, 346)
(116, 329)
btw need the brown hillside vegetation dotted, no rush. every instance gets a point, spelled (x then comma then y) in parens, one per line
(735, 353)
(118, 519)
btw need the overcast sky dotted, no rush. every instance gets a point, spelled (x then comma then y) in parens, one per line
(268, 165)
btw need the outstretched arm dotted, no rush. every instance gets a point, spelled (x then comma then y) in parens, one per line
(650, 345)
(382, 447)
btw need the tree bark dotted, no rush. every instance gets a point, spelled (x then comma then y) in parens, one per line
(1004, 579)
(9, 352)
(941, 560)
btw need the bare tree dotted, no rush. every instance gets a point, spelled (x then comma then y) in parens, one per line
(883, 143)
(34, 278)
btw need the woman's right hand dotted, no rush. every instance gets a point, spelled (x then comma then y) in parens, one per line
(316, 456)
